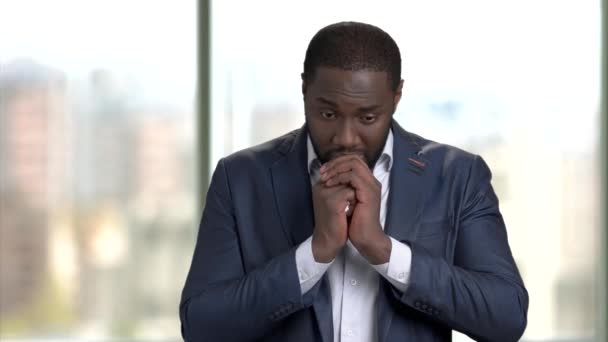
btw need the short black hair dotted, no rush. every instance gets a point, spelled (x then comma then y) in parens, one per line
(353, 46)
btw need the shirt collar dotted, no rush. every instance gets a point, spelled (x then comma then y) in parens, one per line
(385, 159)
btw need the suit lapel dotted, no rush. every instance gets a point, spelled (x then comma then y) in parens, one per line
(292, 190)
(323, 310)
(293, 196)
(408, 179)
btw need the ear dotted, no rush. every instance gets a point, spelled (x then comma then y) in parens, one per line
(303, 84)
(397, 95)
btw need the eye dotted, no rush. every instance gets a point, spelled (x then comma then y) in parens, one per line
(368, 118)
(329, 115)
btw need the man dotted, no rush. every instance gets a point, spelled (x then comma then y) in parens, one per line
(351, 228)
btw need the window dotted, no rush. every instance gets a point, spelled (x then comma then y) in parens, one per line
(97, 167)
(98, 185)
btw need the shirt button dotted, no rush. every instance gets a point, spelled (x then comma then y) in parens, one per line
(303, 276)
(401, 275)
(349, 332)
(353, 282)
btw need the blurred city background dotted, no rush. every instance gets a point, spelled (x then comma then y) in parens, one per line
(100, 142)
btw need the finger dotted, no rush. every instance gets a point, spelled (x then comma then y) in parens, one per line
(318, 187)
(346, 194)
(345, 200)
(363, 189)
(339, 191)
(360, 171)
(340, 159)
(349, 202)
(349, 178)
(336, 197)
(350, 209)
(346, 165)
(346, 158)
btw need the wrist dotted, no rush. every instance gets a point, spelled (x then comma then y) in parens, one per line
(322, 250)
(377, 251)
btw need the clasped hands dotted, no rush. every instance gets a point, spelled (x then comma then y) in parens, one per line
(346, 202)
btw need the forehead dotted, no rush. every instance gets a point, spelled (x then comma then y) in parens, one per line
(338, 83)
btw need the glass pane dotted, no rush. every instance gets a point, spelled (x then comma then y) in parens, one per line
(97, 187)
(509, 80)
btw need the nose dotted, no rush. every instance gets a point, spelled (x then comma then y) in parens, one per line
(346, 134)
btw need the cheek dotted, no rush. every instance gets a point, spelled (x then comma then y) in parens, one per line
(373, 140)
(319, 133)
(370, 140)
(320, 130)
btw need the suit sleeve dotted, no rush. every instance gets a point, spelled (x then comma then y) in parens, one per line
(220, 302)
(482, 293)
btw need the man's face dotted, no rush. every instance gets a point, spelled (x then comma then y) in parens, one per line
(349, 112)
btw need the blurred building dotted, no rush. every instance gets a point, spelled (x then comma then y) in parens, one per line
(549, 207)
(134, 189)
(96, 204)
(35, 160)
(162, 213)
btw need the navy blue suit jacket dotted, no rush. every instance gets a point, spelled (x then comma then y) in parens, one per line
(243, 283)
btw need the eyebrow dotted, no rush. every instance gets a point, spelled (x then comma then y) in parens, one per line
(326, 101)
(366, 109)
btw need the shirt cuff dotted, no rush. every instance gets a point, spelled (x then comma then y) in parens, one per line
(397, 269)
(309, 270)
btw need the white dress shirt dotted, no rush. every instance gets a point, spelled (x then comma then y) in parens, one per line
(353, 280)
